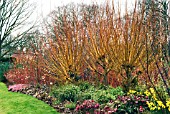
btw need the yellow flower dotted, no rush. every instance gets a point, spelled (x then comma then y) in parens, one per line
(159, 108)
(147, 93)
(153, 108)
(154, 97)
(151, 105)
(152, 90)
(161, 104)
(168, 103)
(131, 92)
(169, 109)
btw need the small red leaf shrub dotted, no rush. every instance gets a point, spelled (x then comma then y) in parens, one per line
(25, 76)
(28, 69)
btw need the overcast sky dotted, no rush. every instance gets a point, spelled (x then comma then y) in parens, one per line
(43, 7)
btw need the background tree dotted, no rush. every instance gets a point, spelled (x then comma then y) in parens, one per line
(57, 16)
(157, 11)
(13, 15)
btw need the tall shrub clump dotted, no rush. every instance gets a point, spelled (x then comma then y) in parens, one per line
(64, 59)
(118, 43)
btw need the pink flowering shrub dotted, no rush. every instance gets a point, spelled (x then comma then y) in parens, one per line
(17, 87)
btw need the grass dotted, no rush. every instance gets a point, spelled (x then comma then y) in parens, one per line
(16, 103)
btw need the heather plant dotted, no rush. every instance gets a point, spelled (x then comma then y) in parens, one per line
(17, 87)
(16, 103)
(131, 104)
(88, 106)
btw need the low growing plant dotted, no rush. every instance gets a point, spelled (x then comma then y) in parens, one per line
(88, 106)
(66, 93)
(155, 104)
(131, 104)
(85, 95)
(107, 94)
(70, 105)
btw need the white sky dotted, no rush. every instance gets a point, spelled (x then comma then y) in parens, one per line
(44, 7)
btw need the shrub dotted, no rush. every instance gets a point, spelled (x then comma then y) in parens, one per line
(65, 58)
(102, 96)
(87, 106)
(107, 94)
(4, 67)
(131, 104)
(85, 95)
(115, 91)
(84, 86)
(27, 69)
(66, 93)
(70, 105)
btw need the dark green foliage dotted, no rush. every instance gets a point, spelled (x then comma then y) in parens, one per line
(4, 66)
(84, 90)
(104, 96)
(66, 93)
(70, 105)
(102, 86)
(6, 59)
(84, 85)
(84, 96)
(115, 91)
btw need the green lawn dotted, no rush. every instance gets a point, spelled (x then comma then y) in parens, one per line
(16, 103)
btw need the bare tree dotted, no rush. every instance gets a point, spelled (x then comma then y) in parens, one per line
(13, 15)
